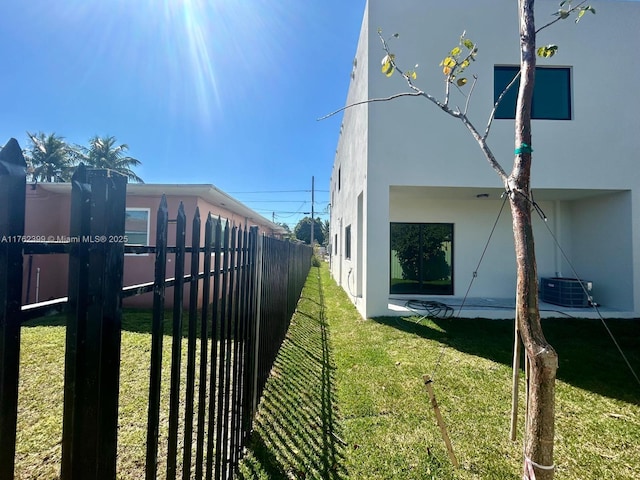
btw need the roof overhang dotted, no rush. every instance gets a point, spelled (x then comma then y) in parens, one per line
(209, 193)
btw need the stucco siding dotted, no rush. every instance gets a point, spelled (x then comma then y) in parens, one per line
(603, 247)
(348, 178)
(45, 276)
(413, 139)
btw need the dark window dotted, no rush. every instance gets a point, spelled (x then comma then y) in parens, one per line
(347, 242)
(551, 93)
(422, 258)
(335, 244)
(339, 178)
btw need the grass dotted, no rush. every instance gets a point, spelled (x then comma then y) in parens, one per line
(346, 398)
(381, 425)
(296, 432)
(40, 401)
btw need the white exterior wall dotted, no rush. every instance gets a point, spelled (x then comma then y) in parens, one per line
(348, 179)
(605, 250)
(410, 142)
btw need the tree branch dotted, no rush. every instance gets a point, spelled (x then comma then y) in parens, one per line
(371, 100)
(568, 12)
(482, 143)
(495, 105)
(473, 85)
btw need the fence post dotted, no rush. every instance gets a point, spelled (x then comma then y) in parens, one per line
(94, 320)
(12, 199)
(258, 313)
(157, 332)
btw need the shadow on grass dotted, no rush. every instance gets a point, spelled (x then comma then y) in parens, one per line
(588, 358)
(296, 434)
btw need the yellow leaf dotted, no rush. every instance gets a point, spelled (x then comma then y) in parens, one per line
(387, 65)
(446, 70)
(449, 62)
(461, 82)
(455, 52)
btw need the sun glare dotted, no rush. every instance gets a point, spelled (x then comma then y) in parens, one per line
(176, 57)
(215, 44)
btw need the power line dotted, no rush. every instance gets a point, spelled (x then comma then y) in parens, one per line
(277, 191)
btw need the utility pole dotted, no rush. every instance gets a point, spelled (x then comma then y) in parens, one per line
(312, 201)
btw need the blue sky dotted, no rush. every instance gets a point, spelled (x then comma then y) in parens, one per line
(225, 92)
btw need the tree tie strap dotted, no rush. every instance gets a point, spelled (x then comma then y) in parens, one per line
(523, 148)
(530, 474)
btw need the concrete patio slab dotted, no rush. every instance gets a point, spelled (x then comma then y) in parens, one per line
(496, 308)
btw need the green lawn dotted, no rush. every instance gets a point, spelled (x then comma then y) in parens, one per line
(359, 410)
(346, 397)
(40, 401)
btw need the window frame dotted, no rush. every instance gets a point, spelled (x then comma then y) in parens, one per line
(148, 232)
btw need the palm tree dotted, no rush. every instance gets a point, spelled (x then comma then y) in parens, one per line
(103, 152)
(49, 157)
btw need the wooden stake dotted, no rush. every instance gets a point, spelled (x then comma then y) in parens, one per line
(441, 425)
(517, 348)
(526, 391)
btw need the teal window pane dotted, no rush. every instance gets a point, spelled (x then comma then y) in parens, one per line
(551, 94)
(501, 78)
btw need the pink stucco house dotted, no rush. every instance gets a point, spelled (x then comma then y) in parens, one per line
(47, 216)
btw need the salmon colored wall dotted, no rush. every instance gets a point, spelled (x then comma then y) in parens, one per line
(47, 214)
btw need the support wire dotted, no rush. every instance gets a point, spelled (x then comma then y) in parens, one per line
(475, 272)
(594, 305)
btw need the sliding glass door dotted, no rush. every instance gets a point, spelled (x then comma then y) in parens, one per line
(421, 258)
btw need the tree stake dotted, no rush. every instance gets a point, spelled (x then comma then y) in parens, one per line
(441, 425)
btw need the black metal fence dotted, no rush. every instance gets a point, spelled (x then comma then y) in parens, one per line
(242, 289)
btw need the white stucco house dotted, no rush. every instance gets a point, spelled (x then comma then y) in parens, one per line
(409, 182)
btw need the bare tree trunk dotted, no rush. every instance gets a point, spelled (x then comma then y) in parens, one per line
(543, 360)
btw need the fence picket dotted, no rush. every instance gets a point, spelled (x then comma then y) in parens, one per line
(176, 347)
(204, 342)
(191, 347)
(237, 361)
(157, 332)
(12, 198)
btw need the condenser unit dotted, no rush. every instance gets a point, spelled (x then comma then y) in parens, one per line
(566, 292)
